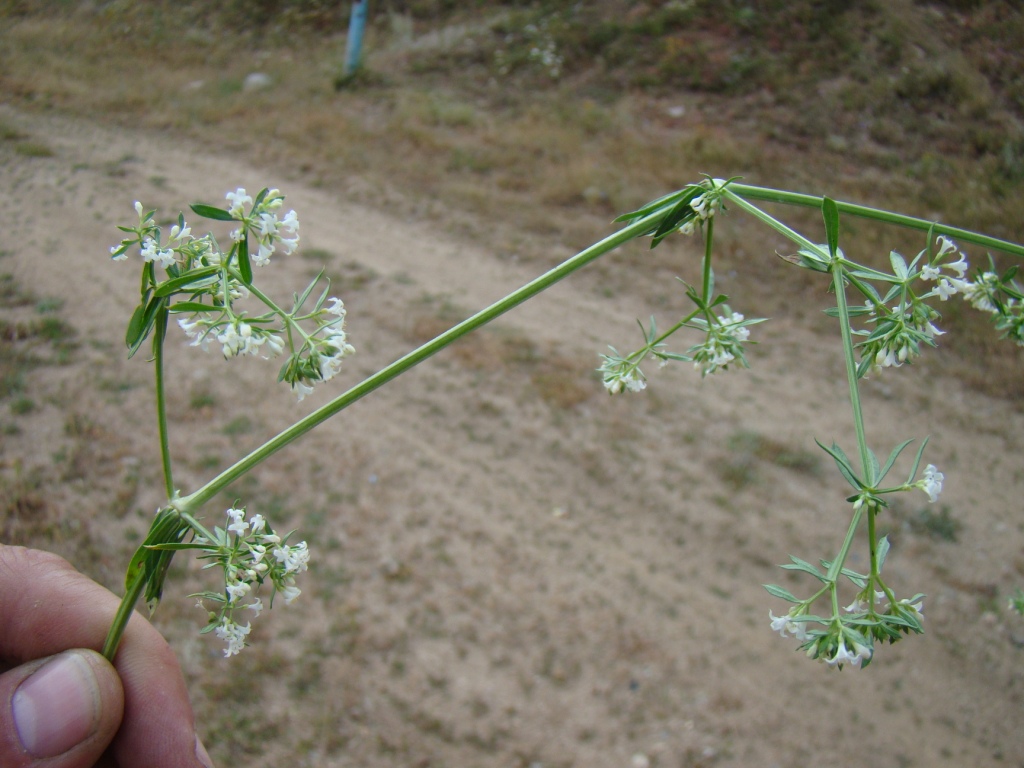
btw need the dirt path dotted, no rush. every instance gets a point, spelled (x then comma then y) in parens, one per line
(511, 569)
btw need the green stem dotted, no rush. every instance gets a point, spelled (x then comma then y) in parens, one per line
(124, 613)
(811, 201)
(706, 266)
(837, 564)
(729, 193)
(400, 366)
(159, 334)
(839, 285)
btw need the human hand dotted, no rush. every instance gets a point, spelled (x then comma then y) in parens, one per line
(61, 703)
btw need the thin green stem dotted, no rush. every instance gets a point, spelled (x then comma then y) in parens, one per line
(839, 284)
(124, 613)
(837, 564)
(811, 201)
(418, 355)
(159, 334)
(706, 265)
(729, 193)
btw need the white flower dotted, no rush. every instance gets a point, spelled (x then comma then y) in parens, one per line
(291, 223)
(843, 656)
(932, 482)
(959, 266)
(946, 288)
(238, 200)
(857, 606)
(234, 635)
(151, 251)
(982, 292)
(945, 246)
(784, 624)
(301, 390)
(256, 607)
(237, 590)
(337, 307)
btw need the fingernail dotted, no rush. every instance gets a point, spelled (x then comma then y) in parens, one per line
(58, 706)
(201, 754)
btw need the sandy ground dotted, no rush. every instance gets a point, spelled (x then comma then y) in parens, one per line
(510, 568)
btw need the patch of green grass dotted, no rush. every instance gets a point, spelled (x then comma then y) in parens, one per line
(33, 149)
(938, 525)
(22, 405)
(241, 425)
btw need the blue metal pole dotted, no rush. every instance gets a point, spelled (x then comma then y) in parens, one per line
(354, 46)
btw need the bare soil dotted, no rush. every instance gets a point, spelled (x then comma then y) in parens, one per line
(510, 568)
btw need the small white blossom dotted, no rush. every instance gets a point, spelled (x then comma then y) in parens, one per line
(151, 251)
(238, 200)
(784, 624)
(843, 656)
(931, 483)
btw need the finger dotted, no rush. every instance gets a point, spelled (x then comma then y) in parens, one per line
(60, 712)
(57, 608)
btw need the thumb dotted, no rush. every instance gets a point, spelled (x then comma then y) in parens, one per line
(59, 712)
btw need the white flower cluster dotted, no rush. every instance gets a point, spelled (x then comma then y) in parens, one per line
(620, 374)
(723, 345)
(208, 311)
(705, 206)
(946, 285)
(326, 348)
(250, 553)
(831, 646)
(262, 222)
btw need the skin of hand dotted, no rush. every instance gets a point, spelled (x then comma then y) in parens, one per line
(62, 705)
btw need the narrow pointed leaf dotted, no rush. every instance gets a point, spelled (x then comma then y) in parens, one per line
(209, 212)
(244, 265)
(917, 461)
(892, 460)
(830, 212)
(194, 278)
(777, 591)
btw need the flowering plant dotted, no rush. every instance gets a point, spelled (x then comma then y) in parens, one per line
(208, 289)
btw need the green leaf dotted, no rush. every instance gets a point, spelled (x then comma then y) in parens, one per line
(148, 320)
(193, 278)
(844, 464)
(300, 300)
(882, 551)
(803, 565)
(136, 326)
(260, 197)
(168, 528)
(917, 462)
(899, 265)
(891, 460)
(654, 205)
(872, 468)
(191, 307)
(209, 212)
(675, 216)
(830, 212)
(777, 591)
(244, 265)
